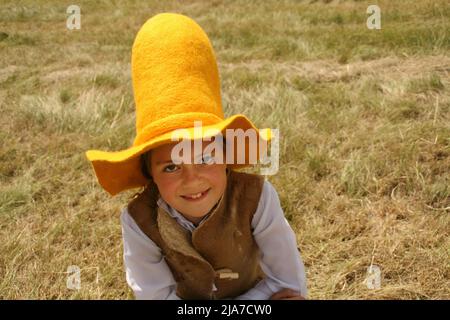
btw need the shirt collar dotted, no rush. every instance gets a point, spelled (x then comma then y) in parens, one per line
(178, 216)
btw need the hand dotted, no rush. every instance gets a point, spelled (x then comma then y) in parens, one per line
(287, 294)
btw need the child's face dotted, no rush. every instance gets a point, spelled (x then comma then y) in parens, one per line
(178, 185)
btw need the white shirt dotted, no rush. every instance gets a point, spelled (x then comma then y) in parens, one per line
(149, 276)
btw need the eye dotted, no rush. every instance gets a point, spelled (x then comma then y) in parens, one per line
(208, 159)
(170, 168)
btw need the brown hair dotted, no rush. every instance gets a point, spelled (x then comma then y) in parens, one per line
(145, 165)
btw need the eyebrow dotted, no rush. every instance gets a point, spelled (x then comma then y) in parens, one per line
(170, 161)
(163, 162)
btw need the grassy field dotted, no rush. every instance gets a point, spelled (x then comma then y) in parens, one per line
(364, 117)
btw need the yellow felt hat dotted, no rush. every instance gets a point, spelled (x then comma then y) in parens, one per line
(175, 83)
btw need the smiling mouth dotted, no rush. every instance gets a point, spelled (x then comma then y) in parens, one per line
(196, 196)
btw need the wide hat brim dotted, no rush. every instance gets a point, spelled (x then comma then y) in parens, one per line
(121, 170)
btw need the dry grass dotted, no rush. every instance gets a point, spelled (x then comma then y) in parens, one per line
(364, 118)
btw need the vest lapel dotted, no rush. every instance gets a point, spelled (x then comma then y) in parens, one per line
(176, 237)
(194, 275)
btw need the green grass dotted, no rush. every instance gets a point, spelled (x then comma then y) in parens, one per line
(363, 116)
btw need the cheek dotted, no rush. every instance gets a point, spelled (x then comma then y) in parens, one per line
(218, 175)
(166, 187)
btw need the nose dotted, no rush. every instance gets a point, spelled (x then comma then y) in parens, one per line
(190, 173)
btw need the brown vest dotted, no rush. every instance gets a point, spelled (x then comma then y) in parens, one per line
(220, 251)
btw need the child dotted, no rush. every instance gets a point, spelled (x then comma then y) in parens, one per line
(199, 229)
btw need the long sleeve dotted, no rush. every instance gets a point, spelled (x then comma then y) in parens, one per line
(147, 273)
(280, 261)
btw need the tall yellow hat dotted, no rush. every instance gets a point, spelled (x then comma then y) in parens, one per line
(175, 83)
